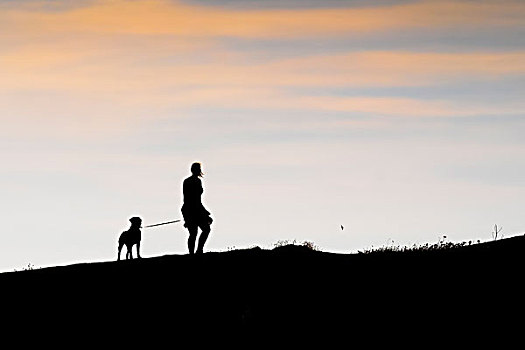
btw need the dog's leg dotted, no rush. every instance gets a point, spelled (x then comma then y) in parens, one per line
(138, 250)
(119, 250)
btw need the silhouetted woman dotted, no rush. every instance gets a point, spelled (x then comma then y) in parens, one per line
(194, 213)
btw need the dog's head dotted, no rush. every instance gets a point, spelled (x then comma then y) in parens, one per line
(135, 221)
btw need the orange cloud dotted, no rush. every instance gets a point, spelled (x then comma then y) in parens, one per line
(83, 49)
(176, 18)
(116, 73)
(112, 58)
(110, 89)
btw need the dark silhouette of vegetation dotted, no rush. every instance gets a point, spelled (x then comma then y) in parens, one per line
(441, 244)
(307, 244)
(29, 267)
(496, 232)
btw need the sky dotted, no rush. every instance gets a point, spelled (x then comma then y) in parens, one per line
(403, 121)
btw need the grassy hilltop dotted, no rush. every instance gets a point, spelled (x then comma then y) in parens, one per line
(287, 289)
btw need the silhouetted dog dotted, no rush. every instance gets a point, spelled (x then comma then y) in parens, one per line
(130, 238)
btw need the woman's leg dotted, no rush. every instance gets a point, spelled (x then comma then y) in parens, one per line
(204, 236)
(191, 239)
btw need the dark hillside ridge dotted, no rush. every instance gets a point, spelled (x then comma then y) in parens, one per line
(287, 289)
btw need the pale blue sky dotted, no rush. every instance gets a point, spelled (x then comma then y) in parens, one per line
(397, 129)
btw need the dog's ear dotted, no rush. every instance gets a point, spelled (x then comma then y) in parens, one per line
(136, 220)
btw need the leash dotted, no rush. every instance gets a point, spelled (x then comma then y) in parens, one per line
(162, 223)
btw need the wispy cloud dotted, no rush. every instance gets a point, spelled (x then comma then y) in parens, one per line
(235, 82)
(179, 18)
(100, 70)
(105, 62)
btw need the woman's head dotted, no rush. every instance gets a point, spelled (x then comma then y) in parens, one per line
(196, 169)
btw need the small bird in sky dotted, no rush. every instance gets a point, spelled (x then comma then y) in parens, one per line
(342, 228)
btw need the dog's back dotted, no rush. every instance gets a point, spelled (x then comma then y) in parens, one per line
(123, 238)
(130, 237)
